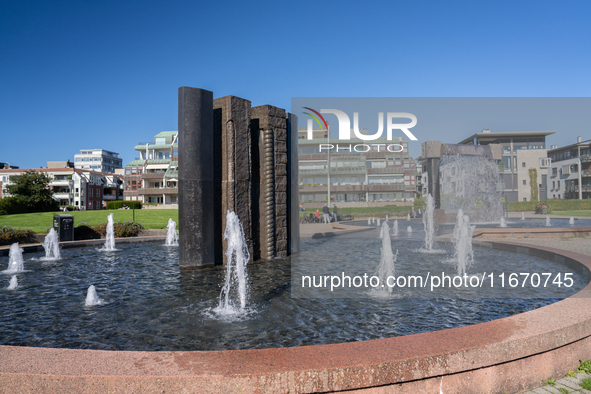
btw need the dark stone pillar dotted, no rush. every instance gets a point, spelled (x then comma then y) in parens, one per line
(196, 195)
(236, 162)
(293, 192)
(433, 180)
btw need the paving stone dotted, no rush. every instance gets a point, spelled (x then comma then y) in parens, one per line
(571, 382)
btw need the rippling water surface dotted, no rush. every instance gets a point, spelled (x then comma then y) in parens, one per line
(150, 305)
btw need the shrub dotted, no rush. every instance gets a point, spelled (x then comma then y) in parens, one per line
(553, 205)
(84, 231)
(9, 235)
(119, 204)
(121, 229)
(12, 206)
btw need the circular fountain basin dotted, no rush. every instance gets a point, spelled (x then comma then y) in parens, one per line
(504, 355)
(149, 305)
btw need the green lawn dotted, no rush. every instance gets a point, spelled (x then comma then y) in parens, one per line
(41, 222)
(369, 211)
(582, 212)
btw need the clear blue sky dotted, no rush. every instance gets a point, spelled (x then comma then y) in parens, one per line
(104, 74)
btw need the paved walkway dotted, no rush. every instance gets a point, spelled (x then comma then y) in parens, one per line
(531, 215)
(579, 245)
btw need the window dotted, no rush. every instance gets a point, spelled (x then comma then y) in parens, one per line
(523, 164)
(524, 182)
(554, 171)
(545, 162)
(524, 199)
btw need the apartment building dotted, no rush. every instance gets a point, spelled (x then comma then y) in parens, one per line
(99, 160)
(83, 190)
(570, 171)
(524, 153)
(376, 171)
(153, 176)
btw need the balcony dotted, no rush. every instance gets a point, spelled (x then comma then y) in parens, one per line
(63, 196)
(109, 197)
(158, 190)
(61, 182)
(585, 173)
(153, 175)
(585, 158)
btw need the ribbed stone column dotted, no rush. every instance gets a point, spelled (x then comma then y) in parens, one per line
(196, 195)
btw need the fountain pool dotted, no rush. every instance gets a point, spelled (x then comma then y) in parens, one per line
(150, 305)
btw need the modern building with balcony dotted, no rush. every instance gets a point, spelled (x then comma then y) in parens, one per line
(99, 160)
(83, 190)
(377, 173)
(524, 153)
(570, 171)
(153, 176)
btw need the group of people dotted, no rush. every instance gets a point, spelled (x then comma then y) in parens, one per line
(325, 212)
(416, 214)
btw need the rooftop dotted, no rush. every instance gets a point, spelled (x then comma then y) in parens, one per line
(511, 134)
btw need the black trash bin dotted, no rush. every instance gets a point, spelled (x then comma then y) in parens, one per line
(64, 225)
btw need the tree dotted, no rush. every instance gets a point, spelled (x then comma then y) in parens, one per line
(32, 191)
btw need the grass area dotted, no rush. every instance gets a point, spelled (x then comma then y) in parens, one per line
(41, 222)
(582, 212)
(369, 211)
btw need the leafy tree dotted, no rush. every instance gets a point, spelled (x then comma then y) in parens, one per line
(32, 192)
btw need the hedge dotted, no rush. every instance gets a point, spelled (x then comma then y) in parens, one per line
(9, 235)
(553, 205)
(119, 204)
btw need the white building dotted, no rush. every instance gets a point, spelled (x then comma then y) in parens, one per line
(83, 190)
(570, 171)
(99, 160)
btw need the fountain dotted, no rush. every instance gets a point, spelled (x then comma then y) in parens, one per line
(235, 291)
(92, 297)
(395, 228)
(548, 222)
(462, 240)
(51, 246)
(408, 217)
(15, 260)
(13, 283)
(177, 304)
(571, 221)
(503, 222)
(368, 221)
(428, 222)
(110, 236)
(385, 268)
(522, 216)
(386, 217)
(378, 222)
(171, 235)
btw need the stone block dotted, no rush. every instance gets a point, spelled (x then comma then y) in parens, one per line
(281, 233)
(280, 134)
(280, 198)
(281, 187)
(280, 146)
(281, 158)
(432, 149)
(281, 210)
(280, 170)
(280, 221)
(276, 123)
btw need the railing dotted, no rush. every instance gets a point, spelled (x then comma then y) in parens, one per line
(158, 190)
(61, 182)
(585, 173)
(63, 196)
(585, 158)
(109, 197)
